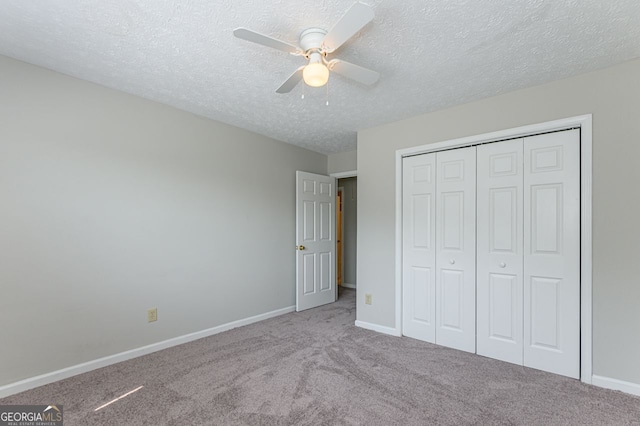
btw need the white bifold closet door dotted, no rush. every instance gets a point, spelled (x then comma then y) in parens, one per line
(500, 250)
(456, 248)
(552, 252)
(438, 294)
(419, 251)
(529, 252)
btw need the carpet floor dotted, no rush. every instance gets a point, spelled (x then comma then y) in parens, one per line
(315, 368)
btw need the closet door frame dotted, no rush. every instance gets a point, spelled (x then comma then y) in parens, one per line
(584, 123)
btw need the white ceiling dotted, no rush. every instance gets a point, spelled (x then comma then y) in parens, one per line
(430, 54)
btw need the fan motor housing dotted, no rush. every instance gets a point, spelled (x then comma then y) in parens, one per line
(311, 38)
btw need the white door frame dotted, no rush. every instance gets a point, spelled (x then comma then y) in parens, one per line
(340, 189)
(343, 175)
(584, 122)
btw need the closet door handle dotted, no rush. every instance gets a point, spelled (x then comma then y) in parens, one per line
(452, 261)
(502, 265)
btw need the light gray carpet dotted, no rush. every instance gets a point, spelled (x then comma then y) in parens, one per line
(316, 367)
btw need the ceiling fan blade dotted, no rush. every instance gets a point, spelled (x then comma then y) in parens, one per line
(354, 72)
(264, 40)
(291, 82)
(353, 21)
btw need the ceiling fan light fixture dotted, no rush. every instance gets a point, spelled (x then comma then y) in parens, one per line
(315, 44)
(316, 74)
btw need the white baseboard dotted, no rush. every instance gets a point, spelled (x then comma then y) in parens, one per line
(615, 384)
(379, 328)
(54, 376)
(347, 285)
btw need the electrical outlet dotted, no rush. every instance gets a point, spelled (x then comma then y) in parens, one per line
(367, 299)
(152, 314)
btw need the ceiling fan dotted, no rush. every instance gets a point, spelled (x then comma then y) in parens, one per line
(315, 45)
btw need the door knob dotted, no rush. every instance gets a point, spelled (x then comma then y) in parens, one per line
(502, 264)
(452, 261)
(300, 247)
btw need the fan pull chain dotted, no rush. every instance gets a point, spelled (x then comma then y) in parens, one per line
(327, 103)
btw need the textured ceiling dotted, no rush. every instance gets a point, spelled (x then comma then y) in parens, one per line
(430, 54)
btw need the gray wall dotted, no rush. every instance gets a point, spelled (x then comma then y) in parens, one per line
(112, 204)
(350, 236)
(342, 162)
(613, 96)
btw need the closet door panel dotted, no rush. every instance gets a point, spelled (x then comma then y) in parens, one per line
(418, 269)
(500, 251)
(455, 254)
(552, 252)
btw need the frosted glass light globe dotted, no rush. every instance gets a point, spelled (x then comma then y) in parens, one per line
(315, 74)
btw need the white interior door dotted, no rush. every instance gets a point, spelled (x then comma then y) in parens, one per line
(456, 249)
(418, 251)
(500, 251)
(552, 252)
(315, 236)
